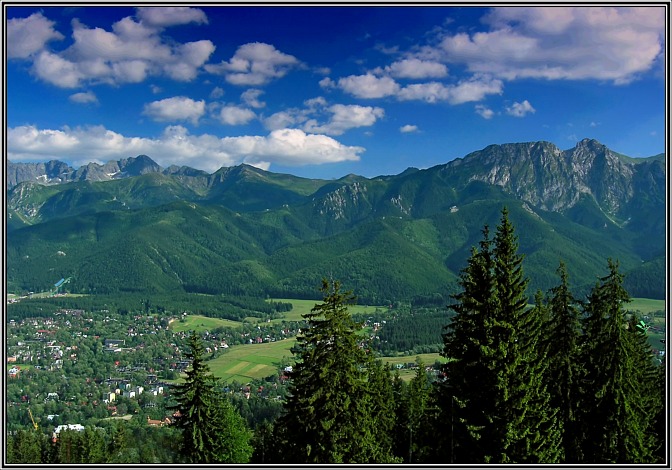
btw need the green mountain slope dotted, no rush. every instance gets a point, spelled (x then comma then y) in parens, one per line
(242, 230)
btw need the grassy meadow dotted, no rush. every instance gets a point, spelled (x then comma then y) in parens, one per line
(645, 306)
(245, 362)
(200, 323)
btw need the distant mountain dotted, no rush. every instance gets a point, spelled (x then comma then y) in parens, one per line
(132, 225)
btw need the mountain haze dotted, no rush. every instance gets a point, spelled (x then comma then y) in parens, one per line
(133, 225)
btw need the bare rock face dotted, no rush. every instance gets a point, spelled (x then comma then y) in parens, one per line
(56, 172)
(543, 175)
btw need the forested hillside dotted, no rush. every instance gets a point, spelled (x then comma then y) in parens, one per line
(245, 231)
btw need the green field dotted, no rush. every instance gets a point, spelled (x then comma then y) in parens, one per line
(408, 374)
(200, 323)
(246, 362)
(645, 305)
(301, 307)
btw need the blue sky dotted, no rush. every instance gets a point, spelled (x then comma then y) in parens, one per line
(329, 90)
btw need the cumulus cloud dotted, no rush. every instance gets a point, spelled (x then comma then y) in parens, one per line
(235, 115)
(408, 128)
(129, 53)
(368, 86)
(473, 89)
(520, 109)
(318, 117)
(414, 68)
(484, 111)
(216, 93)
(87, 97)
(606, 43)
(346, 117)
(162, 17)
(284, 119)
(255, 64)
(176, 146)
(57, 71)
(177, 108)
(251, 98)
(26, 36)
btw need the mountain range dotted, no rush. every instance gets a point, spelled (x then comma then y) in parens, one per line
(131, 225)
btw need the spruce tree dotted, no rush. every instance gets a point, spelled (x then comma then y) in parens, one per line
(212, 431)
(328, 414)
(565, 370)
(494, 392)
(617, 416)
(463, 395)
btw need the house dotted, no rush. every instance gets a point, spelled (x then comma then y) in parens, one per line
(112, 344)
(158, 422)
(73, 427)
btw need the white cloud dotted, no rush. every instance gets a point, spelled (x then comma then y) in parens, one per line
(176, 146)
(474, 89)
(235, 116)
(57, 71)
(408, 128)
(255, 64)
(162, 17)
(520, 109)
(484, 111)
(429, 92)
(327, 83)
(177, 108)
(416, 69)
(562, 42)
(26, 36)
(283, 119)
(87, 97)
(251, 98)
(346, 117)
(216, 93)
(318, 117)
(129, 53)
(368, 86)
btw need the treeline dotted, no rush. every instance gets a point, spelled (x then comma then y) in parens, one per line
(218, 306)
(416, 331)
(568, 381)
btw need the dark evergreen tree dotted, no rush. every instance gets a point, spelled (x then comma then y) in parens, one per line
(462, 395)
(327, 416)
(494, 376)
(212, 431)
(380, 401)
(418, 434)
(565, 369)
(618, 414)
(25, 447)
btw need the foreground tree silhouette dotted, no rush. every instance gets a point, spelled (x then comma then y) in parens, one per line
(493, 395)
(620, 399)
(565, 370)
(212, 431)
(330, 412)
